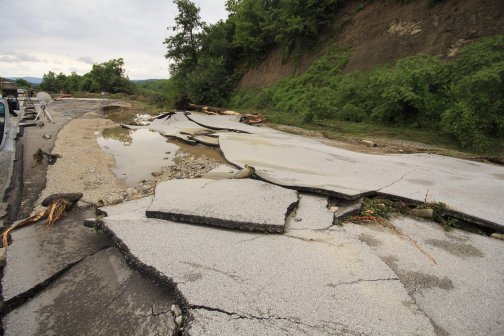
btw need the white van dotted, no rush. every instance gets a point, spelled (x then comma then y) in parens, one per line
(4, 122)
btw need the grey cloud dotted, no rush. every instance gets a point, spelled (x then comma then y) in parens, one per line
(86, 59)
(15, 57)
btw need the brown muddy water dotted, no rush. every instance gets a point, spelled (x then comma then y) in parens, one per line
(137, 153)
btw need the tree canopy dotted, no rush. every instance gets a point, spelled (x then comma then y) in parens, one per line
(108, 77)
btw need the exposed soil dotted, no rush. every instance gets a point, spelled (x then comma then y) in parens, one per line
(377, 36)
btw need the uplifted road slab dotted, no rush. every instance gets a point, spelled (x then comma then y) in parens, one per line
(177, 126)
(38, 253)
(229, 123)
(99, 296)
(462, 291)
(244, 204)
(473, 189)
(242, 283)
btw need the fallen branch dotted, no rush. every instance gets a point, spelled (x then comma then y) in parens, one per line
(53, 213)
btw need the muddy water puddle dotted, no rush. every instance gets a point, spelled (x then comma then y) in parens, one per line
(200, 150)
(137, 153)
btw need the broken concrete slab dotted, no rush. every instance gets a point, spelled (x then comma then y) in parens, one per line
(460, 292)
(134, 209)
(177, 126)
(309, 279)
(221, 172)
(38, 253)
(470, 188)
(238, 204)
(228, 123)
(311, 213)
(100, 295)
(206, 140)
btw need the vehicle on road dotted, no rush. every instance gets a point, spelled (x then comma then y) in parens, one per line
(10, 92)
(20, 91)
(4, 122)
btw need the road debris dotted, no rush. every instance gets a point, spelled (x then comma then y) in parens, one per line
(252, 119)
(369, 143)
(70, 197)
(246, 172)
(52, 214)
(497, 235)
(39, 155)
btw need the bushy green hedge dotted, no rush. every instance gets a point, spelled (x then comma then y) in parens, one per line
(463, 98)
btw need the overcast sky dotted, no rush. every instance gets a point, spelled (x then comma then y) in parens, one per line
(38, 36)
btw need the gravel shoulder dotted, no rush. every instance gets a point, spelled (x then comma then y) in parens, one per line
(84, 167)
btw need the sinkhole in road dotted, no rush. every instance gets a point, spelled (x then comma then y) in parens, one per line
(137, 153)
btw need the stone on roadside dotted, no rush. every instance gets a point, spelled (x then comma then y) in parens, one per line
(239, 204)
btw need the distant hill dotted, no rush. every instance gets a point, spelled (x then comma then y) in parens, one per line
(33, 80)
(144, 80)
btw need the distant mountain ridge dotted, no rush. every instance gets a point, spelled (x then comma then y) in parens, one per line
(38, 80)
(33, 80)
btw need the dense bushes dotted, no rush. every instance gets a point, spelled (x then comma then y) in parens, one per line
(463, 98)
(161, 93)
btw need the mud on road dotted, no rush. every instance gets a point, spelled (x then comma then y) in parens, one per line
(87, 167)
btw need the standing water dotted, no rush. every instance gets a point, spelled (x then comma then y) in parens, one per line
(137, 153)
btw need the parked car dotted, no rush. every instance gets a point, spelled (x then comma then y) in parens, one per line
(20, 91)
(4, 122)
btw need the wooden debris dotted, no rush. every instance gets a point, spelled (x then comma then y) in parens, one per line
(252, 119)
(369, 143)
(246, 172)
(52, 214)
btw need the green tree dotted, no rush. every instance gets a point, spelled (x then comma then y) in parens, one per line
(109, 77)
(23, 83)
(183, 47)
(73, 83)
(49, 82)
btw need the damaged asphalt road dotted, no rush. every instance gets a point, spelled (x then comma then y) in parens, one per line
(270, 257)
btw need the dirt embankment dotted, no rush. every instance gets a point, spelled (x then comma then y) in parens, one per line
(385, 31)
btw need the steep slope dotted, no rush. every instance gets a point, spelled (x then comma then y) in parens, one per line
(381, 32)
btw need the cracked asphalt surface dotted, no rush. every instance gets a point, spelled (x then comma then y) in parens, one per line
(317, 278)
